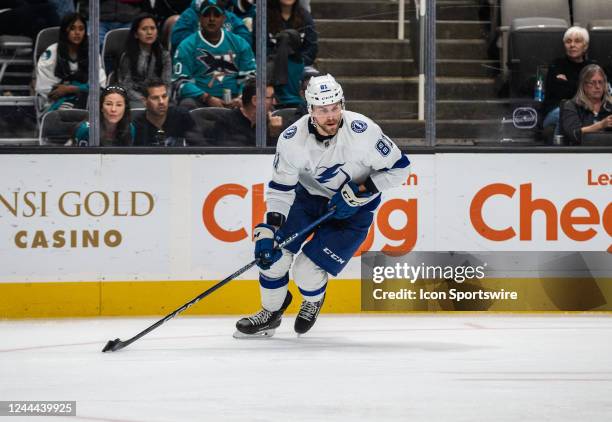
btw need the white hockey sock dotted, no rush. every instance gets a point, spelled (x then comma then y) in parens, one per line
(310, 279)
(272, 299)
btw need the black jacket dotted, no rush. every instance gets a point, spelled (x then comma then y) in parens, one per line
(557, 89)
(575, 117)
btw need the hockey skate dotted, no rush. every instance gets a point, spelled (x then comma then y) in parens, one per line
(309, 311)
(263, 323)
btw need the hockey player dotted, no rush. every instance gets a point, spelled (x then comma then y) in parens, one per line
(328, 158)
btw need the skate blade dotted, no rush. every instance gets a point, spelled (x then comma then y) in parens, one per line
(257, 336)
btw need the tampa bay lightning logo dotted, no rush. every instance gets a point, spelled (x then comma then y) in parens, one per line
(329, 175)
(290, 132)
(359, 126)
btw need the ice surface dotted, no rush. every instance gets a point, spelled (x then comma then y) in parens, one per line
(348, 368)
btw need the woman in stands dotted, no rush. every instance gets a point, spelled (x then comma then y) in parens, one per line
(562, 79)
(116, 128)
(591, 108)
(62, 70)
(288, 14)
(144, 58)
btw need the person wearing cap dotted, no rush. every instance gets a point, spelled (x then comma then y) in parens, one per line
(237, 127)
(189, 23)
(210, 61)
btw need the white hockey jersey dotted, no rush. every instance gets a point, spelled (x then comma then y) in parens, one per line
(359, 152)
(45, 74)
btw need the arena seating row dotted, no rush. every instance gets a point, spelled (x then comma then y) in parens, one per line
(23, 51)
(532, 33)
(58, 126)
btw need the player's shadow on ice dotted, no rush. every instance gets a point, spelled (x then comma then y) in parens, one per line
(283, 342)
(348, 344)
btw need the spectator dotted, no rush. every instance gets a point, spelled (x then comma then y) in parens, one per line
(591, 108)
(144, 58)
(189, 23)
(238, 128)
(163, 9)
(116, 128)
(294, 113)
(245, 10)
(288, 14)
(210, 62)
(115, 14)
(562, 79)
(161, 124)
(27, 17)
(287, 72)
(63, 69)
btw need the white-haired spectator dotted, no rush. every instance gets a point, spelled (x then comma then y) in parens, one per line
(562, 79)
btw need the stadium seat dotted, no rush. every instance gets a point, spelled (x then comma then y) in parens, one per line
(137, 112)
(167, 31)
(205, 118)
(289, 116)
(586, 11)
(114, 45)
(12, 51)
(533, 44)
(600, 45)
(58, 126)
(516, 9)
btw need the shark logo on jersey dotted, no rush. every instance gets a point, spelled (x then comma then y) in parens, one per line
(329, 175)
(289, 133)
(218, 63)
(359, 126)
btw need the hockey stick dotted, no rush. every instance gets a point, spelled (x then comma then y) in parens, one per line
(117, 344)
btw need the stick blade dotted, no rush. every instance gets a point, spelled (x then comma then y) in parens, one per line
(112, 346)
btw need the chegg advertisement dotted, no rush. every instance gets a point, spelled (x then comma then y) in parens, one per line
(187, 217)
(535, 202)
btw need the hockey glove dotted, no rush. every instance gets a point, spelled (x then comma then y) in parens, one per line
(265, 252)
(348, 200)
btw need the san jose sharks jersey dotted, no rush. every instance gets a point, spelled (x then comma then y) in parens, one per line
(359, 152)
(200, 66)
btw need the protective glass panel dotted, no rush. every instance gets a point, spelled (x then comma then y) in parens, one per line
(359, 44)
(504, 69)
(471, 110)
(31, 82)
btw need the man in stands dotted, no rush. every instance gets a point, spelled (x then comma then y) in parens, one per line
(211, 62)
(161, 124)
(237, 128)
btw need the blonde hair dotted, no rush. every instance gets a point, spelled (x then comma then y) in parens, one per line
(577, 31)
(585, 75)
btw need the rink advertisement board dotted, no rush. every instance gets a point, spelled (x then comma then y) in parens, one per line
(129, 234)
